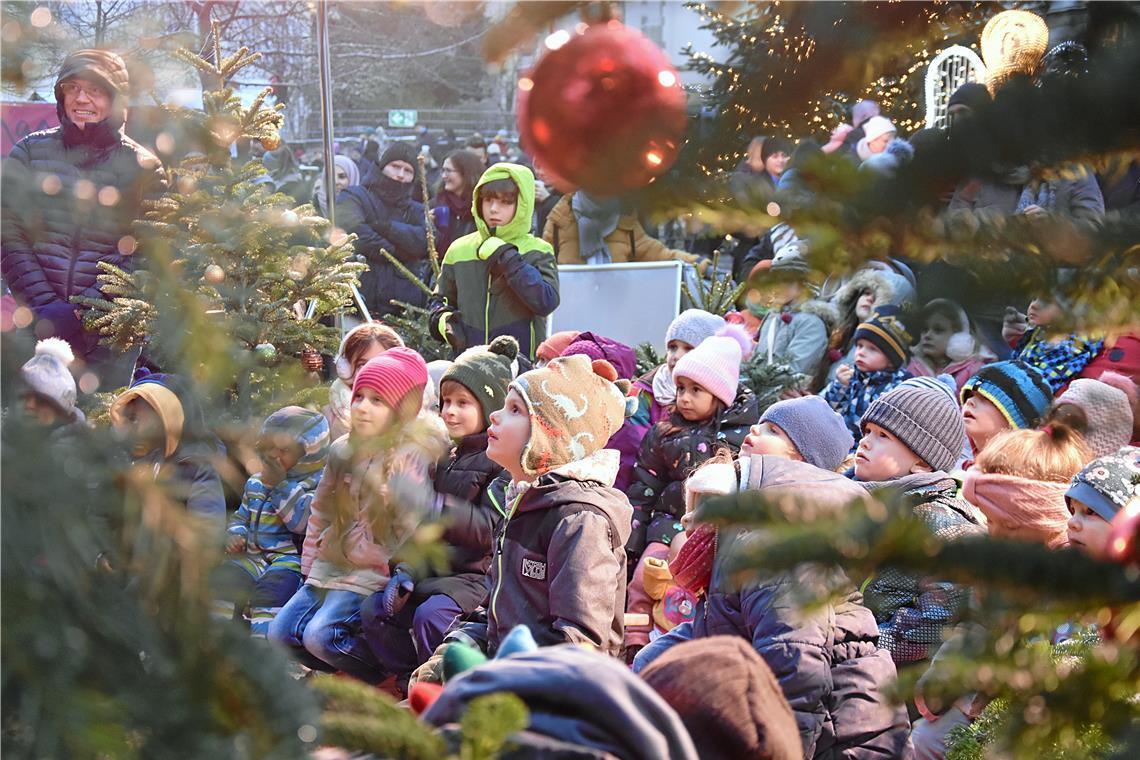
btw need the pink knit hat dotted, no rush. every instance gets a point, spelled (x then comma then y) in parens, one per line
(715, 363)
(394, 374)
(1108, 412)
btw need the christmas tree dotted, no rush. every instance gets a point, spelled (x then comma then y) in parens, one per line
(235, 277)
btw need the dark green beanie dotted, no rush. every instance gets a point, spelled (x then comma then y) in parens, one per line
(486, 373)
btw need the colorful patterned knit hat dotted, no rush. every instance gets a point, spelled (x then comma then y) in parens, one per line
(1106, 485)
(1017, 389)
(575, 407)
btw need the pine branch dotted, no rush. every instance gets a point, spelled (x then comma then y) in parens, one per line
(429, 222)
(407, 273)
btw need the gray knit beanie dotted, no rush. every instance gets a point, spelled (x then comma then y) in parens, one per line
(692, 326)
(925, 419)
(818, 433)
(47, 374)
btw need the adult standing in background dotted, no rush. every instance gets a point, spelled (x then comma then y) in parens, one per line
(71, 195)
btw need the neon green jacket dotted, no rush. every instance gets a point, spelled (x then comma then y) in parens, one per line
(505, 283)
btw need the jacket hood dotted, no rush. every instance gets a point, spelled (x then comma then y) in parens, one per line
(887, 289)
(183, 419)
(804, 484)
(585, 699)
(519, 226)
(305, 428)
(916, 483)
(822, 309)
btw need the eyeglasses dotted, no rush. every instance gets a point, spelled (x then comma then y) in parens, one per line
(92, 91)
(445, 170)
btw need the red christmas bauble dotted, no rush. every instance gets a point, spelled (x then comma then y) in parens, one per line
(605, 111)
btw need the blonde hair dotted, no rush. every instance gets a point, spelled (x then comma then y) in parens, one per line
(1053, 454)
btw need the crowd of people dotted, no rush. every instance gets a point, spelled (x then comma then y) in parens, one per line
(569, 486)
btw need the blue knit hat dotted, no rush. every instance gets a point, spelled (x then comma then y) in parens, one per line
(818, 433)
(1017, 389)
(1107, 484)
(884, 328)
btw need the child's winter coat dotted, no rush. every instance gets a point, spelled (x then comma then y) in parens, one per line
(1059, 361)
(559, 565)
(797, 336)
(836, 680)
(915, 613)
(665, 460)
(498, 282)
(369, 500)
(851, 400)
(472, 514)
(273, 519)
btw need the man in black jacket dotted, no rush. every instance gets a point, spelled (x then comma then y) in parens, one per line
(70, 196)
(382, 214)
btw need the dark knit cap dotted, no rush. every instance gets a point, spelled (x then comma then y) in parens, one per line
(103, 66)
(399, 151)
(926, 419)
(728, 698)
(973, 95)
(485, 373)
(884, 328)
(1017, 389)
(774, 145)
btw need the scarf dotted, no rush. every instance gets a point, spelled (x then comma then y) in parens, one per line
(664, 388)
(349, 166)
(340, 403)
(391, 191)
(692, 567)
(98, 140)
(1019, 502)
(597, 218)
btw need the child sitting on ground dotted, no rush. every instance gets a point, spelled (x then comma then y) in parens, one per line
(559, 566)
(500, 279)
(1019, 482)
(472, 388)
(373, 492)
(1008, 395)
(1104, 487)
(266, 532)
(359, 345)
(712, 410)
(882, 346)
(165, 429)
(912, 436)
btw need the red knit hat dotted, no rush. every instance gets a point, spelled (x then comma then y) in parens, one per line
(394, 374)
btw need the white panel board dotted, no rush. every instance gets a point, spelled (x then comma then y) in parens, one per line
(632, 303)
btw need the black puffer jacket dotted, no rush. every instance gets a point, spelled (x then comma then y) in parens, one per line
(395, 226)
(472, 512)
(667, 458)
(69, 200)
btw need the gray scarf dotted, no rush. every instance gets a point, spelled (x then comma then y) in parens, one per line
(597, 218)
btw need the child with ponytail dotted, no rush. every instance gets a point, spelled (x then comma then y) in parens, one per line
(1019, 481)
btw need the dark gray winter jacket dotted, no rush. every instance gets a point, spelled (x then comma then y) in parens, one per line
(559, 563)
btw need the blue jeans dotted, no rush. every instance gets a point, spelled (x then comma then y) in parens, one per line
(657, 647)
(405, 643)
(322, 627)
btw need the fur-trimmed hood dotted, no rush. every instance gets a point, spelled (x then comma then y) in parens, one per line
(889, 288)
(822, 309)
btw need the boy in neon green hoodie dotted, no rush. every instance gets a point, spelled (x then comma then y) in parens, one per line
(500, 279)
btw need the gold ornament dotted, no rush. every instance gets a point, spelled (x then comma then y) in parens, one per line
(271, 142)
(1013, 42)
(214, 275)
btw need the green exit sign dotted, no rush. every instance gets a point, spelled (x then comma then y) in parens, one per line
(402, 118)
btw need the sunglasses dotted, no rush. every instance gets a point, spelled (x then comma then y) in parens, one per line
(92, 91)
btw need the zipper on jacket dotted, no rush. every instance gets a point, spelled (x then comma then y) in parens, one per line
(72, 265)
(487, 311)
(499, 555)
